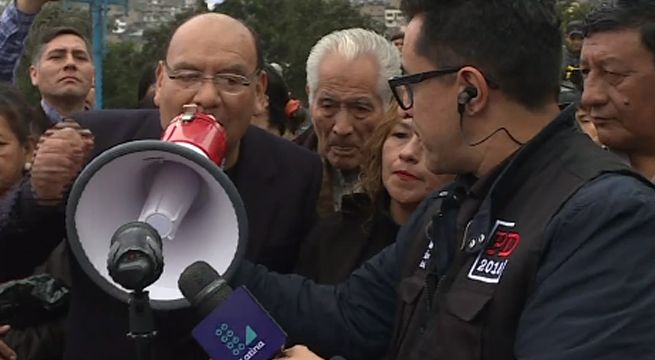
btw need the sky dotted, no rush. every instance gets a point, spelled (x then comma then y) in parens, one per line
(211, 3)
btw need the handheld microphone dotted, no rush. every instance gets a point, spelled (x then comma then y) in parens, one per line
(234, 325)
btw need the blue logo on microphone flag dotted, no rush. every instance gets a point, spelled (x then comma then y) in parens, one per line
(251, 335)
(240, 329)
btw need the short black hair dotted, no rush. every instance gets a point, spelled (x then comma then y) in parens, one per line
(22, 119)
(515, 43)
(148, 78)
(278, 97)
(259, 52)
(624, 14)
(49, 34)
(574, 27)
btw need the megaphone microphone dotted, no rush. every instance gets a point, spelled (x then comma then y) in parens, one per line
(234, 325)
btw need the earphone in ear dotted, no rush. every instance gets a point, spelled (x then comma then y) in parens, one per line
(465, 97)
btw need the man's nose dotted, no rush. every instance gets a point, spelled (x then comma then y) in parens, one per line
(595, 92)
(70, 62)
(207, 96)
(342, 124)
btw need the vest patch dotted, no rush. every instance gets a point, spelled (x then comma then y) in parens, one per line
(490, 263)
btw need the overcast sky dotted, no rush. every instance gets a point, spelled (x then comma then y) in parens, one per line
(211, 3)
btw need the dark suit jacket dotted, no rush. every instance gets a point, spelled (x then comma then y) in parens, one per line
(279, 184)
(339, 244)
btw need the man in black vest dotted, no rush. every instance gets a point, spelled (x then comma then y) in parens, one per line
(542, 249)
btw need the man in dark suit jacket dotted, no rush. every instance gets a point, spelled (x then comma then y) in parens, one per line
(271, 174)
(277, 180)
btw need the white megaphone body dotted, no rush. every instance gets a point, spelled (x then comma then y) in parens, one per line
(177, 187)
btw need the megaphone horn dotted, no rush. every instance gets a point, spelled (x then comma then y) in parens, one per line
(177, 187)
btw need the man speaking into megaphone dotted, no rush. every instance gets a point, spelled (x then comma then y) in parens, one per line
(214, 62)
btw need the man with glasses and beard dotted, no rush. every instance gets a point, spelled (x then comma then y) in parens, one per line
(541, 249)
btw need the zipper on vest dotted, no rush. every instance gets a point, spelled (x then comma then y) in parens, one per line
(434, 276)
(434, 292)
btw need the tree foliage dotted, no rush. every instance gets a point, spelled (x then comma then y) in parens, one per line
(156, 39)
(571, 10)
(121, 72)
(289, 28)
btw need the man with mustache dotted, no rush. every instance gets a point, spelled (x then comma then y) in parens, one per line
(62, 67)
(215, 62)
(346, 74)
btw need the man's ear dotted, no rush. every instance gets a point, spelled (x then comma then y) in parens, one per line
(261, 100)
(472, 81)
(159, 72)
(34, 75)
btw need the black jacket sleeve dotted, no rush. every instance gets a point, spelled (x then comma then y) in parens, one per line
(595, 289)
(353, 319)
(28, 233)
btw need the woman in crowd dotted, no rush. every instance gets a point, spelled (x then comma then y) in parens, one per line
(16, 140)
(20, 125)
(284, 115)
(586, 125)
(394, 181)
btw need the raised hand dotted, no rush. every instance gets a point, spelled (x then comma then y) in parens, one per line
(60, 154)
(299, 352)
(6, 353)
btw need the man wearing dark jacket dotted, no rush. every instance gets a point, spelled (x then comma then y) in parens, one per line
(277, 180)
(617, 59)
(542, 249)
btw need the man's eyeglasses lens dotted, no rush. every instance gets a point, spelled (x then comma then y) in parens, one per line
(227, 83)
(403, 94)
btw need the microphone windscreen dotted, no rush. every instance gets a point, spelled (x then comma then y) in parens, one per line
(195, 278)
(203, 287)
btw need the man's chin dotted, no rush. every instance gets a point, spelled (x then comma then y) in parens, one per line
(343, 163)
(72, 93)
(618, 142)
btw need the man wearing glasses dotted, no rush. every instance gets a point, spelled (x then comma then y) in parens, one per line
(542, 249)
(214, 62)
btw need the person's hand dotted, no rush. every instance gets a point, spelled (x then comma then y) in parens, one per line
(300, 352)
(31, 6)
(59, 157)
(6, 353)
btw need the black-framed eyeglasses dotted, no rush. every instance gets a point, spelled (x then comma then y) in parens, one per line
(224, 82)
(401, 86)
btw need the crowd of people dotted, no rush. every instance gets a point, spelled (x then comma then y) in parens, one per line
(476, 187)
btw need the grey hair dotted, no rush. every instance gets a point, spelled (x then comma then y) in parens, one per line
(354, 43)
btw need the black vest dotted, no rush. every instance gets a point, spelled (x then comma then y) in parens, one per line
(463, 293)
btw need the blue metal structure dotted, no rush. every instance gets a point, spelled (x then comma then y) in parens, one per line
(98, 10)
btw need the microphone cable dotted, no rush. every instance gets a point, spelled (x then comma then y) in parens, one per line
(485, 139)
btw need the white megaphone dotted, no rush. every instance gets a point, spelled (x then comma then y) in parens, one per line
(173, 188)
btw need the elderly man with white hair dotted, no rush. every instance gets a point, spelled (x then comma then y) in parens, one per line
(347, 72)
